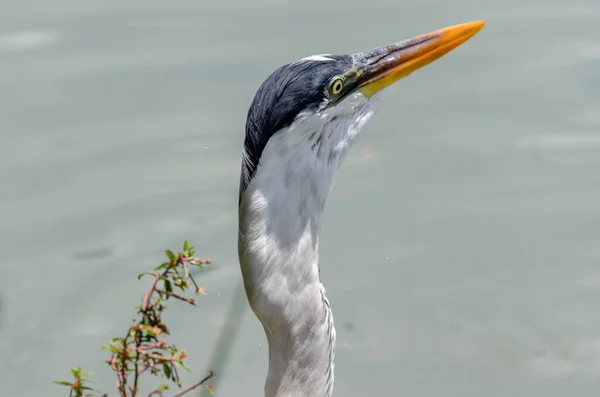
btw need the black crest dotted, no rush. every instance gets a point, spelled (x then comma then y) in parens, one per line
(289, 90)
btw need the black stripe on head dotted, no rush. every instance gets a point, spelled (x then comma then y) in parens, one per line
(289, 90)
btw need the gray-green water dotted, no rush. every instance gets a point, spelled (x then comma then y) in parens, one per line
(461, 245)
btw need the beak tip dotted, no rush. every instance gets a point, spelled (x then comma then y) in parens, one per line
(464, 30)
(473, 26)
(477, 25)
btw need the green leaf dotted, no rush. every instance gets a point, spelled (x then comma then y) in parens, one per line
(163, 388)
(111, 348)
(167, 371)
(184, 366)
(163, 266)
(168, 286)
(186, 245)
(170, 254)
(115, 346)
(145, 274)
(63, 383)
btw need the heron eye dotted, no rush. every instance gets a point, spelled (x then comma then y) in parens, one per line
(336, 85)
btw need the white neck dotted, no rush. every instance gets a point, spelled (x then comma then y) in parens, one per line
(280, 217)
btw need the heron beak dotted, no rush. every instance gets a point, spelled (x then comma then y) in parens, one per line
(384, 66)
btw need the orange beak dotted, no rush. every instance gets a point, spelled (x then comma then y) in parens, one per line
(384, 66)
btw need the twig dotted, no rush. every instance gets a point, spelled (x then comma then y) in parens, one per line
(181, 298)
(138, 342)
(157, 345)
(192, 387)
(163, 358)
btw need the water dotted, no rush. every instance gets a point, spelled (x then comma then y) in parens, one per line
(460, 246)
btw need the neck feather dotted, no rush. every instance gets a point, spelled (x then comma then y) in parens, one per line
(280, 216)
(278, 247)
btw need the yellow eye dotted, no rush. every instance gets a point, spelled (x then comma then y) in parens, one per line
(336, 85)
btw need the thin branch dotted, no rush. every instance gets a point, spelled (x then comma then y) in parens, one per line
(194, 282)
(192, 387)
(147, 367)
(163, 358)
(181, 298)
(138, 342)
(176, 372)
(157, 345)
(123, 369)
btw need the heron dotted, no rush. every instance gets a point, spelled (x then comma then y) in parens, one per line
(300, 125)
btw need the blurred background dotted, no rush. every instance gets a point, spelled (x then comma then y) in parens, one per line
(460, 248)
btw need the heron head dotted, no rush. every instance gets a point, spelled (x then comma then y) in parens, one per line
(321, 102)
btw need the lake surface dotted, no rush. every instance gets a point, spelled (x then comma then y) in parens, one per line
(461, 245)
